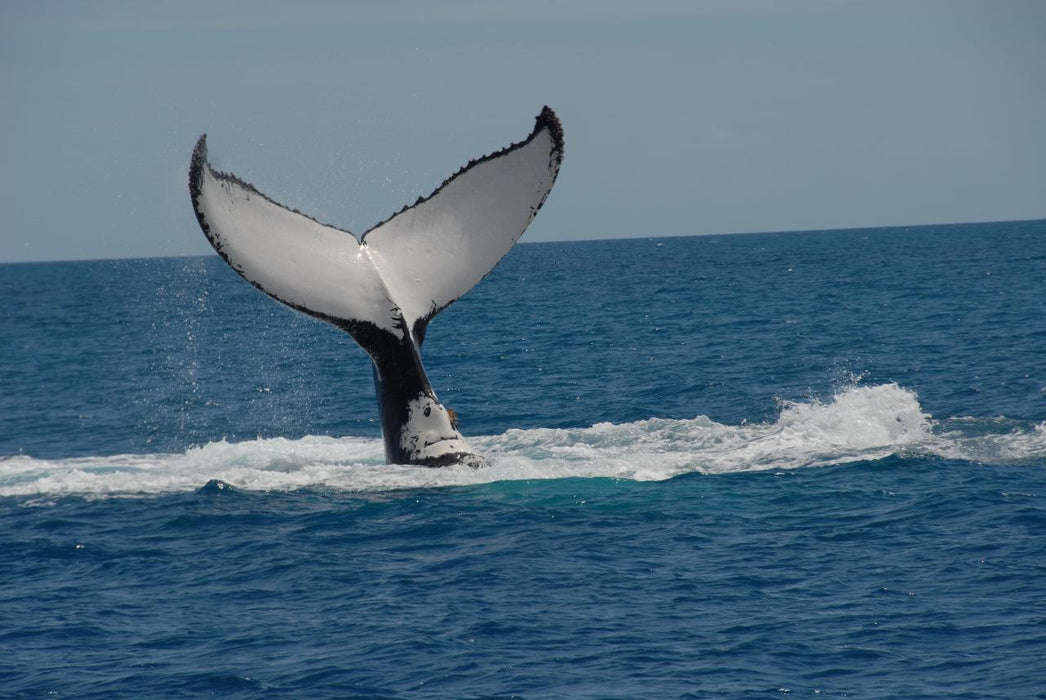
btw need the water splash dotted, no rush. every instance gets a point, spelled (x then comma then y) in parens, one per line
(857, 424)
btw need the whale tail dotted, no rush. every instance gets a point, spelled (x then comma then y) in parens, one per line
(385, 287)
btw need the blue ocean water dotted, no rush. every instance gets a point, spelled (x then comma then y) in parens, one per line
(804, 464)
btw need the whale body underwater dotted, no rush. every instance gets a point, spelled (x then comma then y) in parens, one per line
(385, 287)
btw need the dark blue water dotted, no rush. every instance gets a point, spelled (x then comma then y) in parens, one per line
(807, 464)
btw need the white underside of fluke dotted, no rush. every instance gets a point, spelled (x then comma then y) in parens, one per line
(291, 257)
(431, 254)
(402, 270)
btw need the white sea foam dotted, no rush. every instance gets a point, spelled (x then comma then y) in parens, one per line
(859, 423)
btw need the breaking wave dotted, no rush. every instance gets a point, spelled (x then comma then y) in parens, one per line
(857, 424)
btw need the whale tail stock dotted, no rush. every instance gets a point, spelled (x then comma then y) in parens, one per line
(385, 287)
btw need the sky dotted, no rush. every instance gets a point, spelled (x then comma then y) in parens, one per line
(681, 118)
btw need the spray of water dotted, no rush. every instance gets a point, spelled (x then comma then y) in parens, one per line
(859, 423)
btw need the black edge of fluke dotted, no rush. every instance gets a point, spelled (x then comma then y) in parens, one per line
(196, 166)
(548, 119)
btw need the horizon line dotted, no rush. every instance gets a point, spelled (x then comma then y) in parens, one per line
(844, 229)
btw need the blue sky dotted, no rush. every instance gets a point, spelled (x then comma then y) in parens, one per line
(680, 117)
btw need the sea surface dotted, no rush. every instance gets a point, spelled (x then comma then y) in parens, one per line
(776, 465)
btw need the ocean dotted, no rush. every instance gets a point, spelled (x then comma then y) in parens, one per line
(809, 464)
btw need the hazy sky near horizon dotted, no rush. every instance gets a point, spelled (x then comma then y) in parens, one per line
(680, 117)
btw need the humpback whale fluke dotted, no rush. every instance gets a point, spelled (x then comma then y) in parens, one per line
(385, 287)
